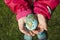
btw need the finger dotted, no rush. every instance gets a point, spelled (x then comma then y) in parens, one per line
(32, 34)
(45, 29)
(41, 29)
(25, 32)
(35, 31)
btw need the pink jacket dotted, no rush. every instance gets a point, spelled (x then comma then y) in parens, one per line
(22, 8)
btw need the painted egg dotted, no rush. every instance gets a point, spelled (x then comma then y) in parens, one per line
(31, 22)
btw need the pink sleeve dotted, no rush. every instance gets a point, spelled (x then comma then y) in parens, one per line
(19, 7)
(40, 7)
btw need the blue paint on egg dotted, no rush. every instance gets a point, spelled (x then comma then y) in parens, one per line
(31, 22)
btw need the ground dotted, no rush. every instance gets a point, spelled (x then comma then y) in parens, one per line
(9, 27)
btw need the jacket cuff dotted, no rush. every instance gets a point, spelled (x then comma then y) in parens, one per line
(52, 4)
(21, 14)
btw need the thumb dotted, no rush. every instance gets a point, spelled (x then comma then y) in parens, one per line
(45, 29)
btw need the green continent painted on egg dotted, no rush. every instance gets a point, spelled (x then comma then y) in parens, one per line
(29, 24)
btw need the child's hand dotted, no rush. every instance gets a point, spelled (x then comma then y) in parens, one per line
(42, 24)
(21, 22)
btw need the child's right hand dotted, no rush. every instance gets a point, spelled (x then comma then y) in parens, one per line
(21, 22)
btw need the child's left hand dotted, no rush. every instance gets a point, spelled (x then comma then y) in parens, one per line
(42, 24)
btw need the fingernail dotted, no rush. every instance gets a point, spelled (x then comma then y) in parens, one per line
(33, 35)
(28, 34)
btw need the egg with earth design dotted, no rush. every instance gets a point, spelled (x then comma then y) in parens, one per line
(31, 22)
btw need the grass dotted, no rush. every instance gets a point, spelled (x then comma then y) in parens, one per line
(9, 27)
